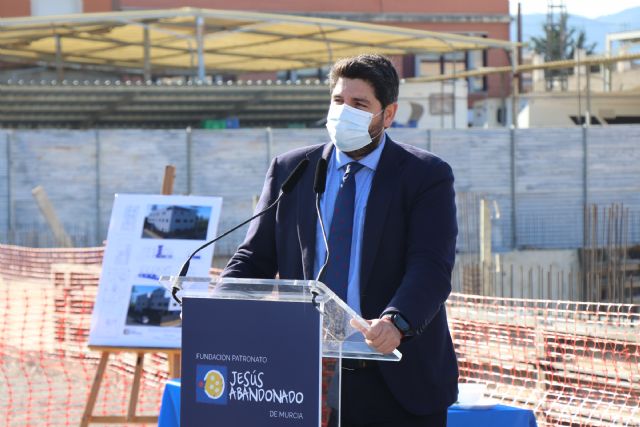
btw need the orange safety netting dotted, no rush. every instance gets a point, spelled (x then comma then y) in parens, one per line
(574, 364)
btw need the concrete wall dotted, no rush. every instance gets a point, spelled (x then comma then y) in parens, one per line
(539, 205)
(540, 274)
(551, 274)
(547, 110)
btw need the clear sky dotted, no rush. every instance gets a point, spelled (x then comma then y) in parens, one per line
(586, 8)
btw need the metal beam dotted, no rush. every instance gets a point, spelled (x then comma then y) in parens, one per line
(528, 67)
(390, 17)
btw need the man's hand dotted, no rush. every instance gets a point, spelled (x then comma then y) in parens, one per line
(382, 334)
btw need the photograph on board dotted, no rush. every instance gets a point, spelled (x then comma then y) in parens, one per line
(176, 222)
(151, 305)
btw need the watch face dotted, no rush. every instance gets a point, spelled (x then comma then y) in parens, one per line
(400, 323)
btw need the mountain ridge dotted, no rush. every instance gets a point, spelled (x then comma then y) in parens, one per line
(595, 28)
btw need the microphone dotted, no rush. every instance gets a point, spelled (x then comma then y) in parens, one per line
(285, 188)
(320, 181)
(319, 185)
(294, 177)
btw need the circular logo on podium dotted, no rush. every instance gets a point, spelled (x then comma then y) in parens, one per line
(214, 384)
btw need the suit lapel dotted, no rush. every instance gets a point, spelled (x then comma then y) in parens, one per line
(385, 183)
(307, 218)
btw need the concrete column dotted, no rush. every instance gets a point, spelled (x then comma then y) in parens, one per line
(486, 255)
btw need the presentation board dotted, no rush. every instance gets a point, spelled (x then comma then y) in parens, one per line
(149, 236)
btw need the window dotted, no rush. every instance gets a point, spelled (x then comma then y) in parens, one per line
(441, 104)
(477, 59)
(448, 63)
(57, 7)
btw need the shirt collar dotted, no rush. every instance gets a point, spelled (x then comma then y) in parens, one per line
(371, 160)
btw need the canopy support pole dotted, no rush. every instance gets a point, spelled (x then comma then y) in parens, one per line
(59, 62)
(514, 87)
(200, 46)
(147, 55)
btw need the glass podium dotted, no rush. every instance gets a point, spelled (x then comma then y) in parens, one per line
(340, 334)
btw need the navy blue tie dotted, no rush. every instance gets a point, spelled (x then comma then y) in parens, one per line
(340, 234)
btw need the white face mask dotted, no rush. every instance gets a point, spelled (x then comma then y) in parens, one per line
(348, 127)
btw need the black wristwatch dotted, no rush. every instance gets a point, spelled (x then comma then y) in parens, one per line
(401, 323)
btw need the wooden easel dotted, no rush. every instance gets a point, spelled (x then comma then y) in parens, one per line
(173, 358)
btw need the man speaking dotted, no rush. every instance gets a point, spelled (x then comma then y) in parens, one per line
(390, 216)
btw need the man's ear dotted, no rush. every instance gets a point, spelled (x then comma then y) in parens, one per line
(390, 114)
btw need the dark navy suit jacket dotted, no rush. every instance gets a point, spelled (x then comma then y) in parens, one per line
(407, 256)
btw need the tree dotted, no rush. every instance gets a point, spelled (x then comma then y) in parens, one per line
(560, 43)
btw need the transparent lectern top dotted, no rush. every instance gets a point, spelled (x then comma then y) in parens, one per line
(339, 338)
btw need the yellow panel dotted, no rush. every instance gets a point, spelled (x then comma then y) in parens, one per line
(293, 29)
(226, 40)
(125, 52)
(289, 47)
(227, 23)
(363, 36)
(168, 30)
(156, 54)
(129, 33)
(68, 45)
(176, 61)
(190, 59)
(20, 53)
(16, 36)
(175, 43)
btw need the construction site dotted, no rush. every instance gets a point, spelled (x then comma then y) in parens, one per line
(545, 303)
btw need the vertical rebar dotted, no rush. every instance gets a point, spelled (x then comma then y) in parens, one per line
(511, 284)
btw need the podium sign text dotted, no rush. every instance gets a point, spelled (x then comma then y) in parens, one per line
(250, 363)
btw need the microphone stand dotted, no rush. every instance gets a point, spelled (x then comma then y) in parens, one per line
(185, 267)
(286, 187)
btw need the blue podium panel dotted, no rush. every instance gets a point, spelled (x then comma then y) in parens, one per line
(170, 407)
(250, 363)
(498, 416)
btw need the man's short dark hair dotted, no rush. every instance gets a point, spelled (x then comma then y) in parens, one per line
(376, 70)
